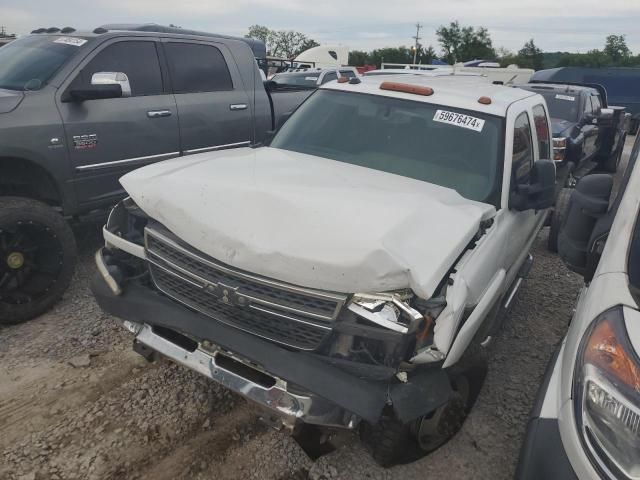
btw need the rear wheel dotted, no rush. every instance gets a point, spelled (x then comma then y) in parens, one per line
(37, 258)
(392, 442)
(557, 217)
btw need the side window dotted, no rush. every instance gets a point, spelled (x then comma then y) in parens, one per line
(588, 108)
(522, 149)
(597, 105)
(348, 74)
(139, 60)
(329, 76)
(197, 68)
(542, 130)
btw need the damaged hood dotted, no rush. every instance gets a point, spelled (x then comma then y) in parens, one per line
(310, 221)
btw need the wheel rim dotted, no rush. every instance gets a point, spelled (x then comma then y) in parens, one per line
(434, 429)
(31, 258)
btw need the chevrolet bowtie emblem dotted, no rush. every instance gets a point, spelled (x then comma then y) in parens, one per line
(226, 294)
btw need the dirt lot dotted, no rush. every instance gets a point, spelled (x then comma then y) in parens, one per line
(76, 402)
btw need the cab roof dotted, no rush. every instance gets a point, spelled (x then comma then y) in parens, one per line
(557, 87)
(458, 92)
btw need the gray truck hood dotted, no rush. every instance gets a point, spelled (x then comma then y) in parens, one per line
(9, 100)
(310, 221)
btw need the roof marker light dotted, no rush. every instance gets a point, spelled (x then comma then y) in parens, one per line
(484, 100)
(406, 88)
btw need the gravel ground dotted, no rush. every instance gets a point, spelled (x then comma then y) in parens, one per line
(76, 402)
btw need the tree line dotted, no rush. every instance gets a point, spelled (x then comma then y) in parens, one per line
(459, 43)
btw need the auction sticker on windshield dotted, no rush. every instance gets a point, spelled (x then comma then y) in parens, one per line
(76, 42)
(569, 98)
(459, 120)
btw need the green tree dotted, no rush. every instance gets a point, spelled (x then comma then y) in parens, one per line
(460, 44)
(616, 48)
(359, 58)
(259, 32)
(281, 43)
(530, 56)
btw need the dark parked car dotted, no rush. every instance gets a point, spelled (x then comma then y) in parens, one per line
(588, 134)
(621, 84)
(80, 109)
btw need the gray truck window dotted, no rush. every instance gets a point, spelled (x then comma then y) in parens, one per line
(298, 79)
(542, 130)
(329, 76)
(408, 138)
(139, 60)
(28, 63)
(522, 149)
(197, 68)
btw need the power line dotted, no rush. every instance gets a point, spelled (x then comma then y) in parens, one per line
(417, 39)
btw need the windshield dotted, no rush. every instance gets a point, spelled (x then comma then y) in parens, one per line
(303, 79)
(409, 138)
(28, 63)
(561, 105)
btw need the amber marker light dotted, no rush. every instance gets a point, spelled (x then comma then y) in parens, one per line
(406, 88)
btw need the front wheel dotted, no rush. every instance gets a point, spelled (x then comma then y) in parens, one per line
(37, 258)
(392, 442)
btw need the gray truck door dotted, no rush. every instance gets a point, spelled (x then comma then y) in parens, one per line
(108, 137)
(214, 108)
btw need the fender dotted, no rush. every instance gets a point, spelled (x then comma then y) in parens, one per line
(475, 320)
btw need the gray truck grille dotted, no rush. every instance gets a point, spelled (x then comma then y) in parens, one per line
(293, 316)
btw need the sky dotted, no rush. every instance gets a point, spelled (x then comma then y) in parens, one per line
(555, 25)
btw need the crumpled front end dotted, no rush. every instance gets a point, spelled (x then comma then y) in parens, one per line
(321, 357)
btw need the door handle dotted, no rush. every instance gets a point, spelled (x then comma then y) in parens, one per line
(238, 106)
(158, 113)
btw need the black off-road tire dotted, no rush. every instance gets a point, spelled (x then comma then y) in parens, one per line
(43, 255)
(392, 442)
(557, 217)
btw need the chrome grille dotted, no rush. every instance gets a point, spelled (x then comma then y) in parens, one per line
(280, 312)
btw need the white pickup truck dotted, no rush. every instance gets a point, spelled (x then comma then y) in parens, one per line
(348, 274)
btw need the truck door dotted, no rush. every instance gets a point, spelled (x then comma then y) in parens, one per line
(520, 226)
(108, 137)
(589, 128)
(214, 108)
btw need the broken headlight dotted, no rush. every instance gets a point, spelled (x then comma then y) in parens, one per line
(126, 221)
(387, 310)
(607, 397)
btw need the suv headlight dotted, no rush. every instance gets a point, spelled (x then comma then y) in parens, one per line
(607, 396)
(559, 148)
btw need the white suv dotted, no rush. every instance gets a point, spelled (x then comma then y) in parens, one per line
(347, 274)
(586, 423)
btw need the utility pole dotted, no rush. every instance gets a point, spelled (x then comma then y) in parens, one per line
(417, 39)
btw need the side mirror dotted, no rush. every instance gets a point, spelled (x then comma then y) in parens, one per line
(104, 85)
(588, 203)
(606, 117)
(587, 119)
(539, 193)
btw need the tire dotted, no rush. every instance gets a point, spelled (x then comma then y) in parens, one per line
(557, 217)
(37, 258)
(611, 165)
(392, 442)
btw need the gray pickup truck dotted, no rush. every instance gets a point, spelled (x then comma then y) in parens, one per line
(80, 109)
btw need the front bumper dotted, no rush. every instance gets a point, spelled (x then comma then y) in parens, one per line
(350, 395)
(264, 390)
(543, 454)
